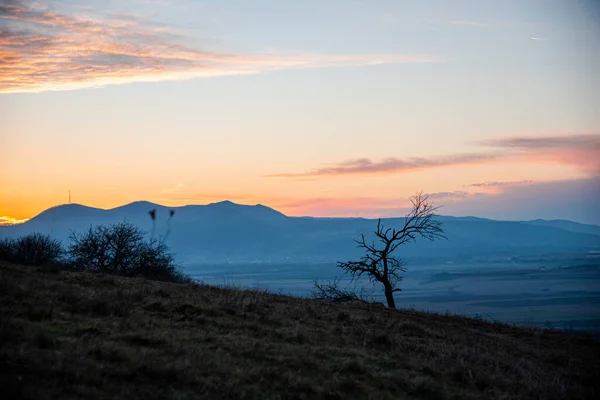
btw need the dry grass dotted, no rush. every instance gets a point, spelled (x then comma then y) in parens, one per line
(78, 335)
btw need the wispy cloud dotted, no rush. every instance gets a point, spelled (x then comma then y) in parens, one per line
(495, 184)
(575, 199)
(582, 151)
(457, 194)
(391, 165)
(538, 39)
(41, 49)
(497, 187)
(550, 200)
(545, 142)
(500, 199)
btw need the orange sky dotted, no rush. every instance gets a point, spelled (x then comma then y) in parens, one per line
(349, 115)
(32, 192)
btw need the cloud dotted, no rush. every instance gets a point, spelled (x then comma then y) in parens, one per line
(582, 151)
(4, 220)
(570, 199)
(545, 142)
(538, 39)
(457, 194)
(575, 200)
(497, 187)
(499, 184)
(41, 50)
(390, 165)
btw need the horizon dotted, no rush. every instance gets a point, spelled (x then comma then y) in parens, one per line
(3, 221)
(323, 109)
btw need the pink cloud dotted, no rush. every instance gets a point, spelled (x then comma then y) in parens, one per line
(348, 206)
(365, 166)
(582, 151)
(575, 200)
(495, 187)
(490, 184)
(45, 50)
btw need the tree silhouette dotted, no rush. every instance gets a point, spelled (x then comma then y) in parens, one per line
(380, 263)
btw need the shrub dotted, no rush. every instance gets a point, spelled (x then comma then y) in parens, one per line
(109, 249)
(7, 249)
(333, 292)
(157, 263)
(32, 249)
(121, 249)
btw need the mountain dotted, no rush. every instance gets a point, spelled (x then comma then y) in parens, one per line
(67, 212)
(567, 225)
(229, 232)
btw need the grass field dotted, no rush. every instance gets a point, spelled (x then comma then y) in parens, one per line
(75, 335)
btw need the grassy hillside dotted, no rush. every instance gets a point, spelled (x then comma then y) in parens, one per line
(77, 335)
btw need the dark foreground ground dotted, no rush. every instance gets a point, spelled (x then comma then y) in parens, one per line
(76, 335)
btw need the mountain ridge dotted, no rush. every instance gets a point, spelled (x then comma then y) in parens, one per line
(147, 206)
(230, 232)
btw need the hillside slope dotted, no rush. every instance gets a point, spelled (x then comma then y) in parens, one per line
(77, 335)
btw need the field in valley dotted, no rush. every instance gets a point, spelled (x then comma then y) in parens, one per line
(534, 295)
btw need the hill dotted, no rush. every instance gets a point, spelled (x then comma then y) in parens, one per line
(567, 225)
(79, 335)
(229, 232)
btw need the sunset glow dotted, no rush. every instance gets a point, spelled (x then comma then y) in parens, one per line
(313, 108)
(11, 221)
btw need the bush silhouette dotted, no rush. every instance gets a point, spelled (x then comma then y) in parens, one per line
(32, 249)
(121, 249)
(7, 248)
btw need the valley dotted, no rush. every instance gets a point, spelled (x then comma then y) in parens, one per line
(529, 295)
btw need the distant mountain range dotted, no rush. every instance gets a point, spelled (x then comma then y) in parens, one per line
(229, 232)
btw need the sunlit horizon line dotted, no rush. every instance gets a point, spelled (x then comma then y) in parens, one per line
(9, 221)
(289, 209)
(366, 208)
(316, 207)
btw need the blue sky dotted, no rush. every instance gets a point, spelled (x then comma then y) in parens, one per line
(196, 101)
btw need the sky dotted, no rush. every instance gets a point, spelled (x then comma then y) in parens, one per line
(314, 107)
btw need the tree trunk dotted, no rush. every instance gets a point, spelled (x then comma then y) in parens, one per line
(389, 295)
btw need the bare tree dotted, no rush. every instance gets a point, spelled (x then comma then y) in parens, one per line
(379, 263)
